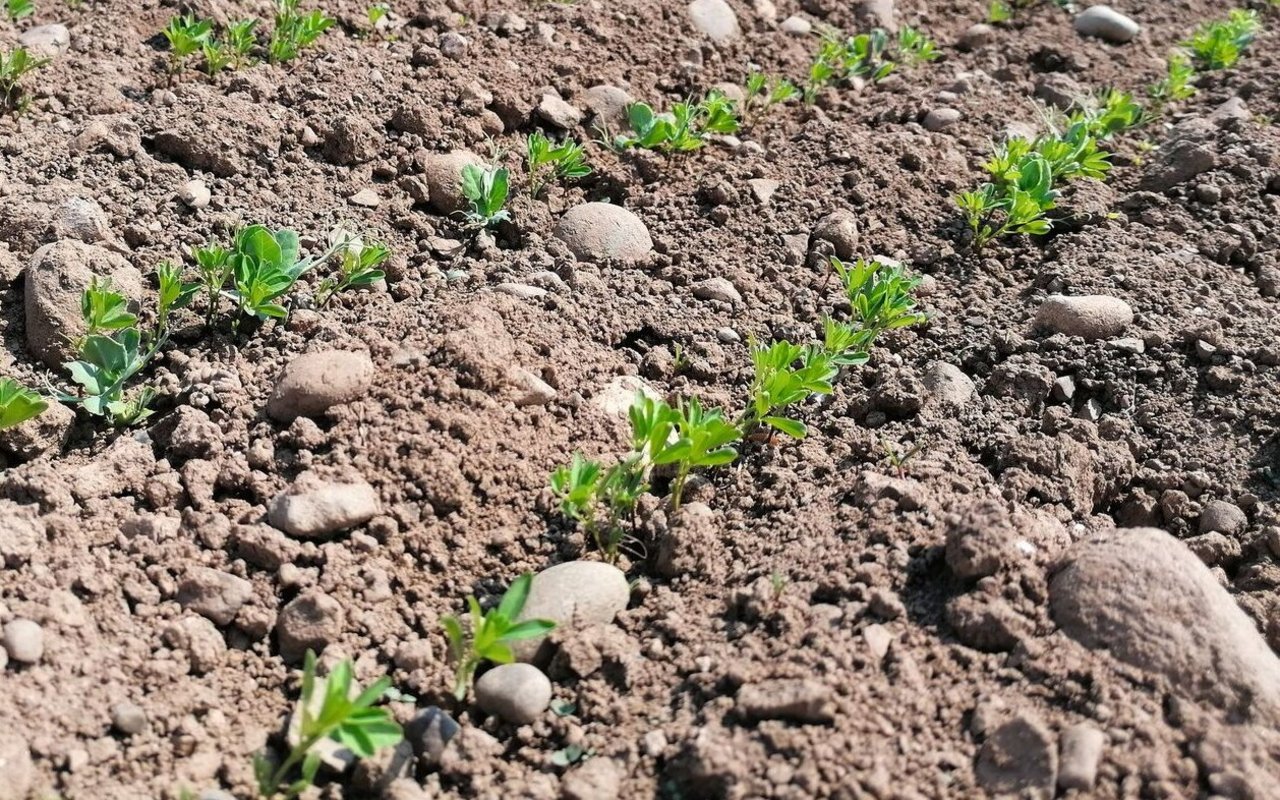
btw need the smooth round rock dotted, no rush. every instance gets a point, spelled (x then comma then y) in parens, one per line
(608, 104)
(24, 641)
(719, 289)
(1105, 22)
(714, 19)
(46, 41)
(315, 382)
(128, 718)
(518, 693)
(314, 508)
(1089, 316)
(947, 384)
(796, 26)
(1144, 597)
(575, 594)
(977, 36)
(940, 118)
(443, 175)
(195, 194)
(599, 231)
(310, 621)
(17, 770)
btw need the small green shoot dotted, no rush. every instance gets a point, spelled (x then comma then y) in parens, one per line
(214, 265)
(359, 262)
(376, 13)
(13, 67)
(217, 57)
(18, 9)
(703, 438)
(1176, 85)
(491, 633)
(763, 93)
(998, 12)
(345, 714)
(1108, 113)
(173, 294)
(1218, 44)
(785, 375)
(686, 127)
(18, 403)
(566, 161)
(186, 36)
(916, 48)
(295, 31)
(899, 459)
(880, 295)
(486, 187)
(265, 265)
(105, 310)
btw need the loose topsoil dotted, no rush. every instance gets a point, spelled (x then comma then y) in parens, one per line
(803, 629)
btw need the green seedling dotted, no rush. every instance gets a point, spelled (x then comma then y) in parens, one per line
(899, 459)
(845, 344)
(265, 265)
(18, 9)
(491, 633)
(826, 69)
(785, 375)
(105, 366)
(763, 93)
(916, 48)
(295, 31)
(359, 262)
(376, 13)
(599, 499)
(343, 713)
(187, 36)
(1018, 205)
(214, 265)
(998, 12)
(686, 127)
(240, 40)
(1176, 84)
(105, 310)
(18, 404)
(880, 296)
(865, 56)
(1109, 113)
(571, 754)
(486, 187)
(13, 67)
(567, 161)
(173, 294)
(1218, 44)
(703, 438)
(217, 56)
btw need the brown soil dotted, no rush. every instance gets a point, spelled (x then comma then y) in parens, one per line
(916, 679)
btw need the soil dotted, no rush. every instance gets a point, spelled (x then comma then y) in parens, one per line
(817, 568)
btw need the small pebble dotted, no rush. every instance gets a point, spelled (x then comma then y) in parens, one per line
(24, 641)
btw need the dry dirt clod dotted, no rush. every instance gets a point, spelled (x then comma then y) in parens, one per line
(947, 385)
(518, 693)
(840, 229)
(1080, 751)
(600, 231)
(310, 621)
(314, 508)
(805, 701)
(213, 594)
(1223, 517)
(22, 533)
(128, 718)
(313, 383)
(429, 732)
(1019, 757)
(16, 766)
(199, 640)
(1088, 316)
(600, 778)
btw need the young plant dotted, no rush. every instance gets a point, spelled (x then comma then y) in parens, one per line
(865, 56)
(686, 127)
(491, 634)
(217, 56)
(826, 69)
(1015, 206)
(18, 403)
(763, 93)
(358, 265)
(173, 294)
(18, 9)
(187, 36)
(265, 265)
(998, 12)
(294, 30)
(214, 265)
(486, 187)
(240, 40)
(1109, 113)
(105, 310)
(599, 499)
(916, 48)
(376, 13)
(785, 374)
(880, 297)
(1176, 84)
(703, 438)
(565, 162)
(1218, 44)
(343, 713)
(13, 67)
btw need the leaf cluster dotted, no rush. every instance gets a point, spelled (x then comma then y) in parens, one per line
(343, 713)
(359, 264)
(566, 161)
(1108, 113)
(687, 126)
(13, 66)
(1218, 44)
(18, 403)
(18, 9)
(486, 188)
(1176, 84)
(489, 635)
(295, 30)
(764, 92)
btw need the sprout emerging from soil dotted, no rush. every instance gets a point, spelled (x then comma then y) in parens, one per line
(18, 9)
(565, 161)
(186, 36)
(1218, 44)
(13, 67)
(295, 31)
(343, 713)
(359, 262)
(18, 403)
(486, 187)
(491, 634)
(687, 126)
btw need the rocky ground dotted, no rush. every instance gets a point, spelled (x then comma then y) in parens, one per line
(1069, 590)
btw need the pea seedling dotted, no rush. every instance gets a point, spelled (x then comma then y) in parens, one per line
(686, 127)
(265, 265)
(18, 403)
(1218, 44)
(13, 67)
(916, 48)
(18, 9)
(1109, 113)
(491, 633)
(345, 714)
(567, 161)
(763, 93)
(186, 36)
(486, 188)
(214, 265)
(294, 30)
(358, 265)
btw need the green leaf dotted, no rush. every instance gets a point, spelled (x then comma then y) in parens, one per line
(791, 427)
(514, 598)
(529, 629)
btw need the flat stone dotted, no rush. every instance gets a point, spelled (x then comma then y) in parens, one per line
(1087, 316)
(213, 594)
(763, 189)
(603, 231)
(366, 198)
(46, 41)
(315, 382)
(553, 109)
(719, 289)
(940, 118)
(315, 508)
(1079, 752)
(805, 701)
(1019, 757)
(575, 594)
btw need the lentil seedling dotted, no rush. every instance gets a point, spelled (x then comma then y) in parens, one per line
(567, 161)
(491, 633)
(343, 713)
(214, 265)
(240, 39)
(18, 403)
(186, 36)
(763, 93)
(13, 67)
(686, 127)
(376, 13)
(785, 374)
(879, 295)
(295, 31)
(600, 499)
(1176, 84)
(1109, 113)
(704, 438)
(486, 188)
(1218, 44)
